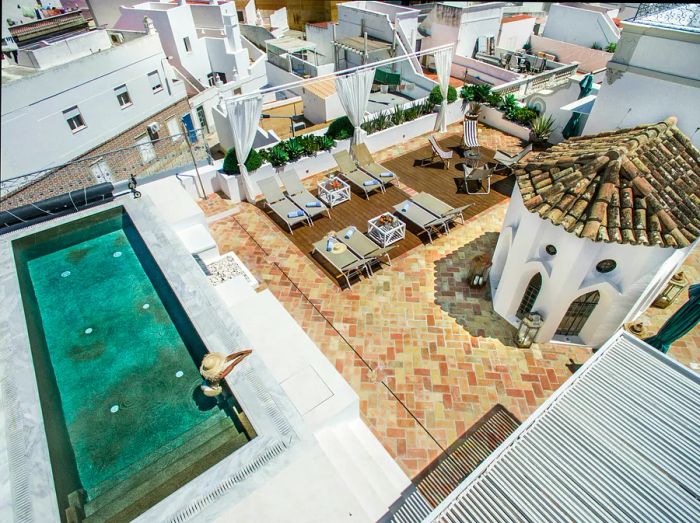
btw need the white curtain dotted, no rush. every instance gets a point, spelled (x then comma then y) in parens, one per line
(353, 91)
(244, 116)
(443, 63)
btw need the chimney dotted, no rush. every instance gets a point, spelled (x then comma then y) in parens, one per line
(148, 24)
(232, 30)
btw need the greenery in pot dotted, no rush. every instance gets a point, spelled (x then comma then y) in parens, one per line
(509, 105)
(340, 129)
(435, 96)
(481, 92)
(293, 149)
(278, 155)
(474, 108)
(495, 100)
(542, 128)
(252, 163)
(522, 115)
(467, 92)
(596, 46)
(426, 107)
(610, 48)
(326, 143)
(309, 144)
(398, 116)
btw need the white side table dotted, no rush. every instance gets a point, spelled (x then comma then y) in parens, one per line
(386, 234)
(333, 191)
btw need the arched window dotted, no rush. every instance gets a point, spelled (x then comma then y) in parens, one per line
(578, 313)
(530, 295)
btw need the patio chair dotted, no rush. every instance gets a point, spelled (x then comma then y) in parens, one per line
(367, 164)
(506, 161)
(421, 217)
(355, 176)
(470, 138)
(303, 198)
(438, 154)
(436, 206)
(478, 175)
(347, 263)
(282, 206)
(363, 246)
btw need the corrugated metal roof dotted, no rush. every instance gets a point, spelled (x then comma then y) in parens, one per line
(619, 441)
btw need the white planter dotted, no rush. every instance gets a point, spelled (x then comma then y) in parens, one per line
(496, 119)
(398, 134)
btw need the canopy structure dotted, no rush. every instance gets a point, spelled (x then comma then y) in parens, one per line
(619, 441)
(364, 46)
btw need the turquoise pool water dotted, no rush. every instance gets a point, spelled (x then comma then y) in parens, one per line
(108, 332)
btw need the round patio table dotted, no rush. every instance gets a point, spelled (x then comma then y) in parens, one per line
(472, 157)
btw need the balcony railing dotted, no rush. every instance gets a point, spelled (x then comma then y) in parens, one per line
(533, 84)
(681, 16)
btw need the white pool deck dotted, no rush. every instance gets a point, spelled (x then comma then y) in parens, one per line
(313, 459)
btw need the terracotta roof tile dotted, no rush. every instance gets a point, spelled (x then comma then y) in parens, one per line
(638, 186)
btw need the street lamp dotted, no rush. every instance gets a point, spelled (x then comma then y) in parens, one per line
(528, 329)
(673, 289)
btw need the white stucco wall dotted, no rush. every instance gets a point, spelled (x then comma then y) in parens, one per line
(624, 292)
(63, 51)
(580, 26)
(650, 60)
(32, 107)
(323, 38)
(516, 33)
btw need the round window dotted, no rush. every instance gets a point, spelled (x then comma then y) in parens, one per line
(606, 266)
(551, 250)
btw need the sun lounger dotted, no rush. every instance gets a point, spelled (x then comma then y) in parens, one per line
(282, 206)
(361, 245)
(300, 196)
(506, 161)
(421, 217)
(347, 262)
(355, 176)
(367, 164)
(436, 206)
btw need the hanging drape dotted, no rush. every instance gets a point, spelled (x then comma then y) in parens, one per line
(353, 91)
(244, 116)
(443, 63)
(680, 323)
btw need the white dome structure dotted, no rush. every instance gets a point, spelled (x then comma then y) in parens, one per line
(596, 227)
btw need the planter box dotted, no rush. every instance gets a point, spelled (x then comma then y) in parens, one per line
(496, 119)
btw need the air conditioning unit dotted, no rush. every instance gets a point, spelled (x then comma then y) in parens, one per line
(153, 129)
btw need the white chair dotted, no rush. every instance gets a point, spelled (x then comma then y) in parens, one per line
(438, 153)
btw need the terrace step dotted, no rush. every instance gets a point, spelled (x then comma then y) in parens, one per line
(156, 481)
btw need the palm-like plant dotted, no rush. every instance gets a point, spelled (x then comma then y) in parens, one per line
(542, 128)
(481, 92)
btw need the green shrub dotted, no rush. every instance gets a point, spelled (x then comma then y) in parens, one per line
(340, 129)
(326, 143)
(467, 92)
(597, 46)
(426, 107)
(278, 155)
(435, 96)
(293, 149)
(542, 128)
(610, 48)
(523, 115)
(509, 105)
(481, 92)
(252, 163)
(398, 115)
(309, 144)
(494, 100)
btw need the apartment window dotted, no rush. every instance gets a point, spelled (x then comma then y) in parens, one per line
(123, 96)
(174, 129)
(202, 117)
(101, 171)
(146, 149)
(154, 79)
(213, 77)
(74, 119)
(188, 47)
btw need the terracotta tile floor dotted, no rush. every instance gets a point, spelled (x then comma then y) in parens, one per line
(426, 355)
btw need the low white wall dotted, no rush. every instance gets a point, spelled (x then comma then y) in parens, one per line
(588, 59)
(496, 119)
(481, 70)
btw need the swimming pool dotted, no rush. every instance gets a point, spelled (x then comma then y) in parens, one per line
(116, 360)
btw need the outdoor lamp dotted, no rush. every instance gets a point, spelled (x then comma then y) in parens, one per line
(674, 287)
(528, 329)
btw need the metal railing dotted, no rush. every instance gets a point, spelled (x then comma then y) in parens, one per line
(532, 84)
(682, 16)
(175, 154)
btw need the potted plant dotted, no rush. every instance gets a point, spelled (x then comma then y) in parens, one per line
(541, 129)
(252, 163)
(474, 109)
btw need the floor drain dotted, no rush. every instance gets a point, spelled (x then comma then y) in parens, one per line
(88, 330)
(65, 274)
(117, 254)
(114, 409)
(145, 306)
(179, 374)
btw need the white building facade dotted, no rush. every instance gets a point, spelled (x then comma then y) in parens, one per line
(654, 71)
(582, 24)
(586, 247)
(79, 93)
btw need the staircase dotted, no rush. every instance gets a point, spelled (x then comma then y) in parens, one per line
(443, 475)
(364, 465)
(134, 491)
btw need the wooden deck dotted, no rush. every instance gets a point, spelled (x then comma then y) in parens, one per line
(445, 184)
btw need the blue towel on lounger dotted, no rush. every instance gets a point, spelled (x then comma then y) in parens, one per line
(386, 174)
(329, 244)
(370, 182)
(406, 206)
(350, 232)
(313, 204)
(295, 214)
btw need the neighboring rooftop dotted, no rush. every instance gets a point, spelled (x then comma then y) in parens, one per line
(619, 441)
(683, 17)
(515, 18)
(357, 44)
(637, 186)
